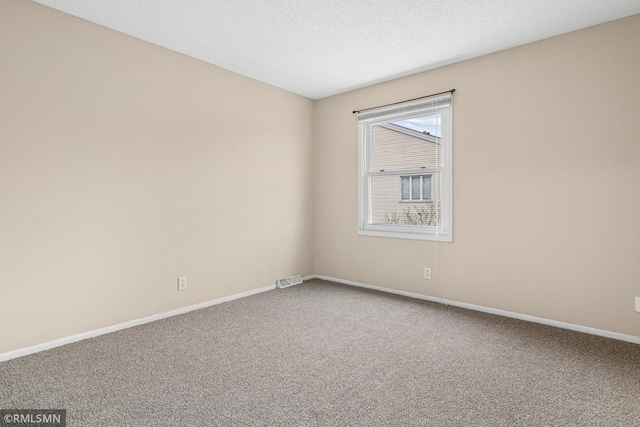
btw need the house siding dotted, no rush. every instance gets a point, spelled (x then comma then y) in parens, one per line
(398, 150)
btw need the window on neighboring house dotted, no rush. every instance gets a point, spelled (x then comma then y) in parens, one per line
(405, 170)
(415, 188)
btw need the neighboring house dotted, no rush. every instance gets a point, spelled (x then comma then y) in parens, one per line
(411, 196)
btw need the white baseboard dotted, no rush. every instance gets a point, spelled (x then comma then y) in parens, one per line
(578, 328)
(113, 328)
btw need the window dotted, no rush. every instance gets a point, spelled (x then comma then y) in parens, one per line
(405, 170)
(415, 188)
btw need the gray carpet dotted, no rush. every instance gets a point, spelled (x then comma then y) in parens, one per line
(324, 354)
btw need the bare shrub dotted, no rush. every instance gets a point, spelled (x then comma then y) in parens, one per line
(423, 215)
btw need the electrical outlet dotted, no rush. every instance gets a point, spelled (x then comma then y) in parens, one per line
(638, 304)
(427, 273)
(182, 283)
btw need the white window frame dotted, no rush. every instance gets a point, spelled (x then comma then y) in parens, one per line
(442, 104)
(422, 198)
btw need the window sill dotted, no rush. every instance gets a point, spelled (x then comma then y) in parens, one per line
(409, 233)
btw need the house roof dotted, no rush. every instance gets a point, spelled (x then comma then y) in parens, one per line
(415, 133)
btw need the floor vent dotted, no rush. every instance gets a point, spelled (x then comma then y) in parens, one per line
(289, 281)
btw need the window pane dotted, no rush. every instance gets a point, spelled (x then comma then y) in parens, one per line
(406, 144)
(405, 188)
(387, 207)
(415, 188)
(426, 187)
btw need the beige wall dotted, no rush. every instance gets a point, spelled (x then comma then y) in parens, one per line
(124, 165)
(546, 183)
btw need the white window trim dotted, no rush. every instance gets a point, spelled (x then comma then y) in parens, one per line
(396, 112)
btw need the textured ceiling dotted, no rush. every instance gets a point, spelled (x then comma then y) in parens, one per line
(319, 48)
